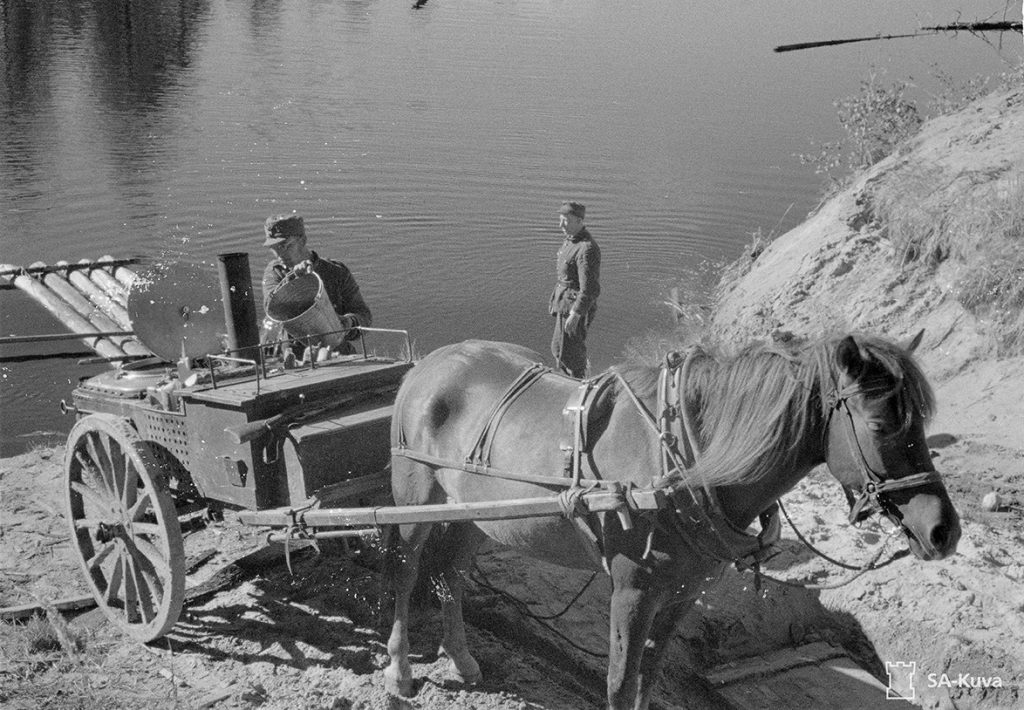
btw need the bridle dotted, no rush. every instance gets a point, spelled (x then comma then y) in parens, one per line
(873, 491)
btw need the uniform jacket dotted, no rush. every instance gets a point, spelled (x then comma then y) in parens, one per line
(339, 285)
(578, 273)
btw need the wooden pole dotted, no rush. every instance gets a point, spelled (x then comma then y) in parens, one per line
(51, 337)
(391, 515)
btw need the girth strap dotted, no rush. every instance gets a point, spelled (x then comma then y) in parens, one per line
(575, 441)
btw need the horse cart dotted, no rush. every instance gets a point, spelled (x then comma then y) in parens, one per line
(661, 470)
(199, 416)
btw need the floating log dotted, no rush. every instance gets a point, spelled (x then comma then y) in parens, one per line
(113, 288)
(925, 31)
(85, 308)
(124, 276)
(61, 310)
(107, 262)
(978, 27)
(88, 310)
(98, 296)
(82, 305)
(834, 42)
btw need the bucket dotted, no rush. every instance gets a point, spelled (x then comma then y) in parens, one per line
(301, 306)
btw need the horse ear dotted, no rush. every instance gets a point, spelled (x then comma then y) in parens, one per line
(849, 358)
(911, 345)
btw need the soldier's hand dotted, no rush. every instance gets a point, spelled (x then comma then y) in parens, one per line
(572, 323)
(303, 267)
(348, 322)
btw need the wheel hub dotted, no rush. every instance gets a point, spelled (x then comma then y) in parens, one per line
(105, 532)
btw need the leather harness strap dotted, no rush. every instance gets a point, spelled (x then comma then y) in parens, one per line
(871, 495)
(575, 441)
(480, 454)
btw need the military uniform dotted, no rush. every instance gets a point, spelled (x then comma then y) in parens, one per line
(339, 286)
(578, 272)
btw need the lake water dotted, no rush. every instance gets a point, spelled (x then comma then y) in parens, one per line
(430, 148)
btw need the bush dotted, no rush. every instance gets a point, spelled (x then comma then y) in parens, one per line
(875, 122)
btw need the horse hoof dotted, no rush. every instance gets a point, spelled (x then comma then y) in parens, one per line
(397, 686)
(468, 679)
(471, 676)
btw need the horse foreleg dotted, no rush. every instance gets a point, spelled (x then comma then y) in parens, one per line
(654, 651)
(405, 565)
(461, 541)
(632, 613)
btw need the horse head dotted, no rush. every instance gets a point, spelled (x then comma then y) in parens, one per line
(875, 444)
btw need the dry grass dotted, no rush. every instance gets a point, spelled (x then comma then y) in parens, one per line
(975, 222)
(47, 663)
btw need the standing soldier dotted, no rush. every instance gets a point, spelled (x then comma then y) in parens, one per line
(574, 300)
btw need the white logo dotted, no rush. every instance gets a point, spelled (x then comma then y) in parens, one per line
(898, 671)
(963, 680)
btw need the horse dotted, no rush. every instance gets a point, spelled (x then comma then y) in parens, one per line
(482, 421)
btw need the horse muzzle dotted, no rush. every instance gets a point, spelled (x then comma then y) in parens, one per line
(931, 525)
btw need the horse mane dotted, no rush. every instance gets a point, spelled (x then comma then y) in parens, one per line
(758, 410)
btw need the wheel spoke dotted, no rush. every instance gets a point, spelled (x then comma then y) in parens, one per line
(100, 458)
(94, 562)
(155, 560)
(118, 461)
(131, 596)
(113, 590)
(90, 466)
(131, 483)
(153, 530)
(92, 497)
(142, 506)
(143, 598)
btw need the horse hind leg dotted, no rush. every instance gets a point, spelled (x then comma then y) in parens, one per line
(459, 545)
(405, 550)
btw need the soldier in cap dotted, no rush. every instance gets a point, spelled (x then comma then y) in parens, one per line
(286, 237)
(574, 299)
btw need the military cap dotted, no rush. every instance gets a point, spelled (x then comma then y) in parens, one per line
(574, 208)
(280, 227)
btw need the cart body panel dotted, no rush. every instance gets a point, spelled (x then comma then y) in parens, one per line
(339, 427)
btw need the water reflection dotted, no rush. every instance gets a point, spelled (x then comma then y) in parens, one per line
(430, 146)
(69, 61)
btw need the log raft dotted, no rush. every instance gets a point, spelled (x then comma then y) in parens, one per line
(88, 298)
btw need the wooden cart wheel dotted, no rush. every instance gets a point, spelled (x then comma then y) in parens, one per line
(124, 526)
